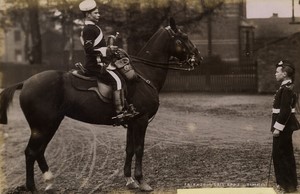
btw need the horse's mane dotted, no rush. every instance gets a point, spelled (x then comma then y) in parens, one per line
(154, 41)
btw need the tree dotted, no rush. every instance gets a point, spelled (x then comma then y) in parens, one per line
(141, 18)
(67, 14)
(36, 39)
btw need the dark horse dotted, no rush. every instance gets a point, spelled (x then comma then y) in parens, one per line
(47, 97)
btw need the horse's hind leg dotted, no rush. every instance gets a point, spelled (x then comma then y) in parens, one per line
(34, 151)
(30, 157)
(47, 174)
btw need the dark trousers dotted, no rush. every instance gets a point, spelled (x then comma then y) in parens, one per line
(104, 76)
(284, 160)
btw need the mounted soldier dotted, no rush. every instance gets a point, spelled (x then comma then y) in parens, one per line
(48, 97)
(102, 60)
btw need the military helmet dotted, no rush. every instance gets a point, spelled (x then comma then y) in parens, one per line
(87, 5)
(285, 63)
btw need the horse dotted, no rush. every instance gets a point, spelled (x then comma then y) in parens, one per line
(47, 97)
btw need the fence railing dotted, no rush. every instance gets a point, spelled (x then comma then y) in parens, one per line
(221, 77)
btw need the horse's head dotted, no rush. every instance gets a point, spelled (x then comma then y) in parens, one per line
(181, 47)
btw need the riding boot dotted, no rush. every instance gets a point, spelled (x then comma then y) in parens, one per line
(118, 97)
(122, 114)
(129, 110)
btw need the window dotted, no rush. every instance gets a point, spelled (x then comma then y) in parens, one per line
(17, 35)
(18, 55)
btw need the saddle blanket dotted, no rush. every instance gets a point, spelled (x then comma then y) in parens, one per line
(84, 83)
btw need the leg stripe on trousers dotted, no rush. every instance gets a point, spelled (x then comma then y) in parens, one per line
(117, 79)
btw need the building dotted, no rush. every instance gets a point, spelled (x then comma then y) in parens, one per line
(2, 42)
(270, 30)
(13, 44)
(226, 40)
(275, 39)
(226, 33)
(287, 48)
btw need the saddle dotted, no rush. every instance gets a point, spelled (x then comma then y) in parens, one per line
(80, 80)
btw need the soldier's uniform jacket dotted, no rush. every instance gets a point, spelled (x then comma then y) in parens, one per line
(283, 112)
(93, 42)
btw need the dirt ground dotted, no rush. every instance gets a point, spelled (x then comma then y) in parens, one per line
(196, 140)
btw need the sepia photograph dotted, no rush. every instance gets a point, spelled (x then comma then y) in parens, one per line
(149, 96)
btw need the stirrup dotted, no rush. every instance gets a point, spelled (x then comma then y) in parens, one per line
(124, 115)
(131, 111)
(119, 120)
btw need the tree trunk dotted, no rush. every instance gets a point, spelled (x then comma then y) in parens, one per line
(36, 49)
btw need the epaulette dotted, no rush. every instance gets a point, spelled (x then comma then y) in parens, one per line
(289, 86)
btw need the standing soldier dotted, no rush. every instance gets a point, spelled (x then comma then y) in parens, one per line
(284, 123)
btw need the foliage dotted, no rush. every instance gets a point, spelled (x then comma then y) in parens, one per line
(14, 14)
(136, 20)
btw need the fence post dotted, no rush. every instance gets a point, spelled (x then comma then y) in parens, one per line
(207, 77)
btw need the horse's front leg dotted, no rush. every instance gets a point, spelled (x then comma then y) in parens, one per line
(139, 131)
(130, 183)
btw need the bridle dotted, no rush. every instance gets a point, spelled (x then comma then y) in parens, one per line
(190, 61)
(161, 65)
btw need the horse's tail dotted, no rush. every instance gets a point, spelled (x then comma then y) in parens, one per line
(6, 97)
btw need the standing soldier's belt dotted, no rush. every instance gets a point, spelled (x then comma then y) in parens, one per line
(277, 110)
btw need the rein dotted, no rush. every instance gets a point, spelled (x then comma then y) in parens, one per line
(161, 65)
(164, 65)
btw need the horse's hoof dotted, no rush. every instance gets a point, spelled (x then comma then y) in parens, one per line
(18, 189)
(50, 191)
(21, 188)
(132, 185)
(145, 187)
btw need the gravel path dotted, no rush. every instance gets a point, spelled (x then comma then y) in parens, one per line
(196, 140)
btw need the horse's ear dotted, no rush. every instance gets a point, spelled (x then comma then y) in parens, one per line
(173, 24)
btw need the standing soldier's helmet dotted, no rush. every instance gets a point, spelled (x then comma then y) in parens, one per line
(288, 67)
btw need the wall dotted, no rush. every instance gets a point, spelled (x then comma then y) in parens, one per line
(225, 31)
(267, 57)
(268, 30)
(13, 73)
